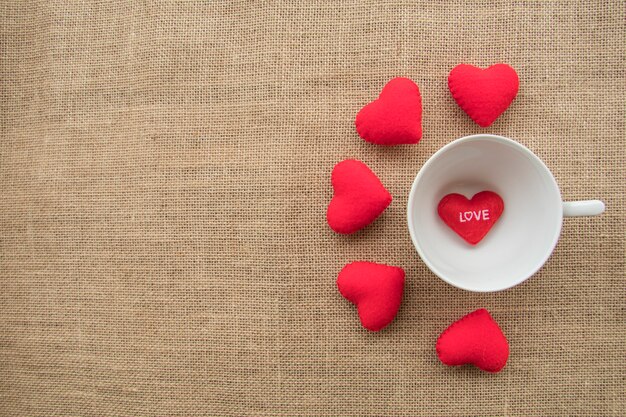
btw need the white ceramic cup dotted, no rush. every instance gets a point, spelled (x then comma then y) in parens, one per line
(520, 242)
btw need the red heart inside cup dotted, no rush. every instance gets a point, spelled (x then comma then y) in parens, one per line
(484, 94)
(395, 117)
(376, 289)
(475, 339)
(471, 219)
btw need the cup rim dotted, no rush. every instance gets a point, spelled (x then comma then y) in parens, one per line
(438, 154)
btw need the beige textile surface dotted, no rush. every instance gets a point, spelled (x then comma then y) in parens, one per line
(164, 175)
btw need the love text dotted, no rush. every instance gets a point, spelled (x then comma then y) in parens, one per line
(468, 216)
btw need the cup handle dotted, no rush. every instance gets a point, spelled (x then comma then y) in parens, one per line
(583, 208)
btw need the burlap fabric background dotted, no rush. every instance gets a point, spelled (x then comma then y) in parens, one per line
(164, 176)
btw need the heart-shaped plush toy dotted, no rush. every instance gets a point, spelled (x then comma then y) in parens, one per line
(395, 118)
(375, 289)
(471, 219)
(475, 339)
(359, 197)
(484, 94)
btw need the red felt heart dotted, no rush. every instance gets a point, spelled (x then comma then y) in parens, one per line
(484, 94)
(475, 339)
(375, 289)
(471, 219)
(359, 197)
(395, 117)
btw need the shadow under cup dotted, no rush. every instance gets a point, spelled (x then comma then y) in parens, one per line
(522, 239)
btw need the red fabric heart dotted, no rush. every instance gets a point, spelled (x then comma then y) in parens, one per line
(375, 289)
(484, 94)
(475, 339)
(395, 118)
(359, 197)
(471, 219)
